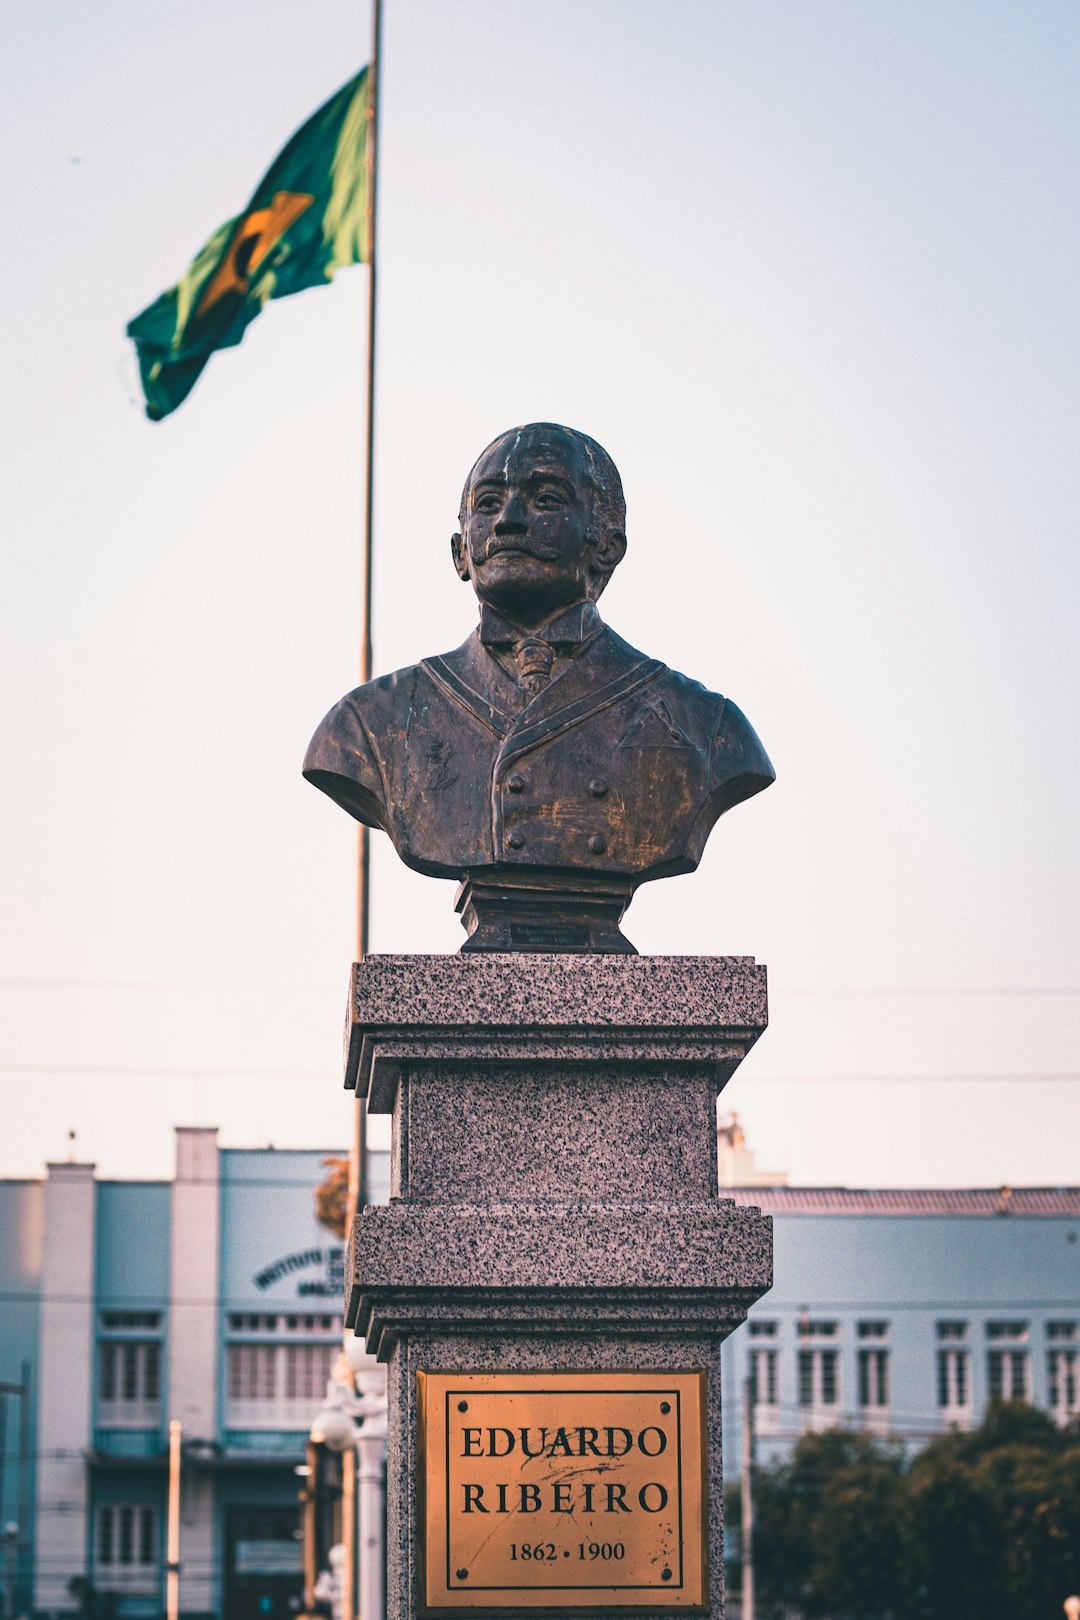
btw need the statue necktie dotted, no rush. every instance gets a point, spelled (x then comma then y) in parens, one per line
(534, 659)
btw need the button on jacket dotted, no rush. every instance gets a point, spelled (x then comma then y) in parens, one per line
(618, 765)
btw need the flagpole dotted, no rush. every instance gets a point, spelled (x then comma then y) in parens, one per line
(358, 1157)
(358, 1189)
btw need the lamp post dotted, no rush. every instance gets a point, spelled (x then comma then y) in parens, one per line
(11, 1542)
(309, 1472)
(172, 1543)
(16, 1531)
(353, 1422)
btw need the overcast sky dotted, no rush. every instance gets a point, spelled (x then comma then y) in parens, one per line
(809, 272)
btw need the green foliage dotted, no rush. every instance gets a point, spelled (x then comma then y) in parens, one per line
(332, 1197)
(985, 1523)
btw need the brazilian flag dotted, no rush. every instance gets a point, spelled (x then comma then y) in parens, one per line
(308, 215)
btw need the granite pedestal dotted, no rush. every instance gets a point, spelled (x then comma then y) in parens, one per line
(554, 1201)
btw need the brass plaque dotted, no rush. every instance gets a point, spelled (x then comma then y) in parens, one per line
(562, 1490)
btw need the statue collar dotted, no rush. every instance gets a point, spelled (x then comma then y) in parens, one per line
(606, 671)
(570, 628)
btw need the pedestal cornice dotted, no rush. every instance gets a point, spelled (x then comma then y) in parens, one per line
(490, 1008)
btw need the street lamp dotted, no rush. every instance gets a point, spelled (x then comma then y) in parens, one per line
(335, 1429)
(11, 1542)
(352, 1423)
(172, 1537)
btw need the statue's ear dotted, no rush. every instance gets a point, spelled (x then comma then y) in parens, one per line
(609, 550)
(460, 554)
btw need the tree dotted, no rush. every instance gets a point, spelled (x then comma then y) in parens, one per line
(332, 1196)
(827, 1540)
(993, 1518)
(986, 1523)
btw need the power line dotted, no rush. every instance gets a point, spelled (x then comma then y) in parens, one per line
(155, 985)
(859, 1077)
(928, 990)
(167, 1073)
(266, 1305)
(194, 988)
(226, 1186)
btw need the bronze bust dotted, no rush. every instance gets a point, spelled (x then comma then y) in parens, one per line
(544, 762)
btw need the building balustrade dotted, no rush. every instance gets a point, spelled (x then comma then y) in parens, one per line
(126, 1442)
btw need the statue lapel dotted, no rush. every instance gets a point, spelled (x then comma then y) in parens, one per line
(605, 673)
(472, 678)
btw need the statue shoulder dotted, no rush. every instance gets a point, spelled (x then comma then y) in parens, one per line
(741, 767)
(738, 760)
(355, 754)
(343, 756)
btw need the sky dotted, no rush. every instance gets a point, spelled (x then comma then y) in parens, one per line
(808, 271)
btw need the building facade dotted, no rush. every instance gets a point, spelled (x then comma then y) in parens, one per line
(215, 1300)
(906, 1312)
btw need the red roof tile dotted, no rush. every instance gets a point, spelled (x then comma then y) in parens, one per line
(1060, 1201)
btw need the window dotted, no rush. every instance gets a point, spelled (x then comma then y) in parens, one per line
(812, 1329)
(953, 1381)
(131, 1321)
(127, 1537)
(105, 1535)
(271, 1373)
(872, 1330)
(764, 1381)
(819, 1381)
(1013, 1332)
(819, 1372)
(252, 1371)
(253, 1324)
(873, 1379)
(308, 1325)
(277, 1367)
(129, 1371)
(764, 1371)
(307, 1369)
(954, 1373)
(1062, 1370)
(1008, 1370)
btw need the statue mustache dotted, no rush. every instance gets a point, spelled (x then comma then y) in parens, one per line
(517, 542)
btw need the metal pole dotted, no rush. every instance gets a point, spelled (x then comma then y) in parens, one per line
(371, 165)
(370, 1484)
(24, 1468)
(307, 1496)
(746, 1491)
(358, 1148)
(9, 1609)
(17, 1532)
(11, 1542)
(172, 1546)
(348, 1533)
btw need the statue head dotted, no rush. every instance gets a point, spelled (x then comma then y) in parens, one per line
(542, 521)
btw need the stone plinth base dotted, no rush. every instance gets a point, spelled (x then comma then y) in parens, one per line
(554, 1199)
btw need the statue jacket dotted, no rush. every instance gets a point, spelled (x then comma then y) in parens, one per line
(620, 766)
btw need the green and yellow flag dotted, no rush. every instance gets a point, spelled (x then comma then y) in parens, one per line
(308, 215)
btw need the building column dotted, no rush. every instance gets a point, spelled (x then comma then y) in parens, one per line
(194, 1328)
(65, 1392)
